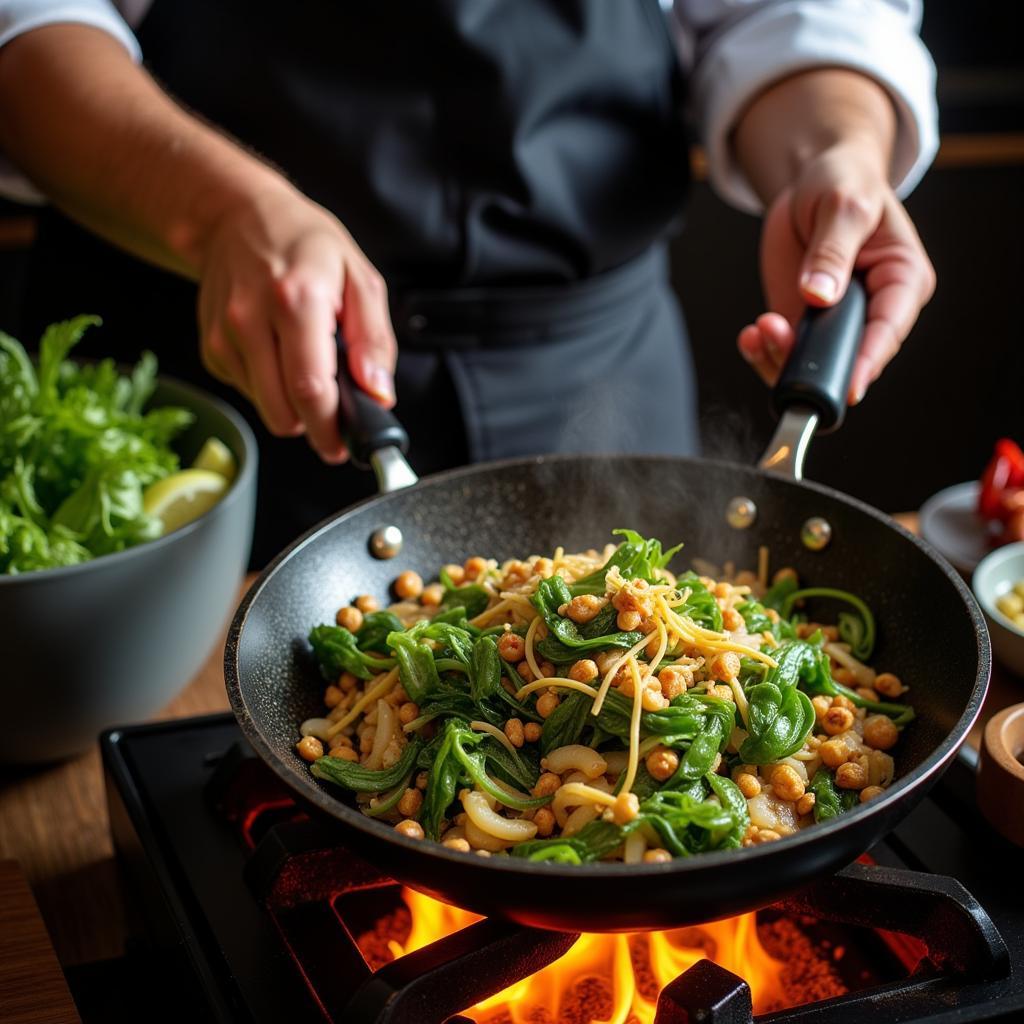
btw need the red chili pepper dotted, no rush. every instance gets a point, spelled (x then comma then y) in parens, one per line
(1004, 471)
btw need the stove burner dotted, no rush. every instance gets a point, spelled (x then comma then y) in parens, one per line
(301, 879)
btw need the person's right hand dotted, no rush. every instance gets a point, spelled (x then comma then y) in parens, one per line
(278, 275)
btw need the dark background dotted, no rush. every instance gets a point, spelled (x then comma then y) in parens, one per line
(958, 384)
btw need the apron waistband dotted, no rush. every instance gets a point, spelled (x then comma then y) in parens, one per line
(463, 319)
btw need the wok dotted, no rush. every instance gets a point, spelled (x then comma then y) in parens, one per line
(931, 633)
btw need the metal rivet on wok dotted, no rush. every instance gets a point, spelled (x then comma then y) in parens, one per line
(816, 533)
(386, 542)
(741, 513)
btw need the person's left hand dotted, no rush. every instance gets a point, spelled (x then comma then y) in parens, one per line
(839, 214)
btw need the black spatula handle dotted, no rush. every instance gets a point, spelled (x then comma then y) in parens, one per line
(819, 367)
(365, 426)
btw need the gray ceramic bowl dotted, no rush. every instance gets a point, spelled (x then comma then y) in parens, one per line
(995, 575)
(113, 640)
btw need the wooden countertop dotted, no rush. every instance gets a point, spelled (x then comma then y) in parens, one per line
(54, 822)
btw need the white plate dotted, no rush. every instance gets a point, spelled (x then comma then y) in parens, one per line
(950, 523)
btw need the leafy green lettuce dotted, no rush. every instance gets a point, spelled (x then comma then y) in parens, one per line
(76, 452)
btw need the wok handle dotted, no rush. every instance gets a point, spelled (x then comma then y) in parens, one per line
(817, 375)
(365, 426)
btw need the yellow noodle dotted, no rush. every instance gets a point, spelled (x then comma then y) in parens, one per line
(493, 730)
(377, 690)
(558, 683)
(634, 728)
(741, 701)
(610, 675)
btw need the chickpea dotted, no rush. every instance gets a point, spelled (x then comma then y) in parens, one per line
(880, 733)
(657, 856)
(397, 697)
(432, 596)
(482, 853)
(515, 574)
(731, 619)
(625, 808)
(606, 659)
(723, 590)
(870, 792)
(837, 720)
(834, 753)
(725, 666)
(531, 732)
(583, 671)
(651, 650)
(456, 844)
(343, 753)
(525, 672)
(628, 620)
(422, 779)
(512, 647)
(366, 739)
(889, 685)
(821, 705)
(787, 573)
(546, 703)
(651, 698)
(514, 732)
(543, 567)
(851, 776)
(765, 835)
(866, 693)
(410, 803)
(839, 701)
(583, 608)
(662, 763)
(674, 681)
(475, 567)
(547, 670)
(721, 691)
(748, 785)
(309, 748)
(332, 696)
(410, 828)
(347, 682)
(409, 585)
(787, 783)
(544, 819)
(806, 804)
(547, 784)
(455, 573)
(408, 712)
(367, 603)
(349, 618)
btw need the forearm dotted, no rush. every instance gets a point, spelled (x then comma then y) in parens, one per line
(111, 149)
(798, 118)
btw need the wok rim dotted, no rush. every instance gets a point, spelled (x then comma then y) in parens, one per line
(919, 779)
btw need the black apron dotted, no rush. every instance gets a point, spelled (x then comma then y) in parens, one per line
(512, 167)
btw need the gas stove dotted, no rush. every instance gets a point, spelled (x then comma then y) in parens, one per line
(243, 908)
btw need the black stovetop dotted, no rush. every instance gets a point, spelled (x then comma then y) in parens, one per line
(206, 948)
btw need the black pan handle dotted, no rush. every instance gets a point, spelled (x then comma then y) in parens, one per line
(819, 367)
(365, 426)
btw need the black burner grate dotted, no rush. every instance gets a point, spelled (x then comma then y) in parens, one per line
(299, 880)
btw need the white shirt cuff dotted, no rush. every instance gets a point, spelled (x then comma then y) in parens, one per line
(778, 39)
(20, 16)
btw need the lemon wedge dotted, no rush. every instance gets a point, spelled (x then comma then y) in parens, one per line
(216, 456)
(180, 498)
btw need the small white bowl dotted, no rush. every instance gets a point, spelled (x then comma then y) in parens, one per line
(996, 574)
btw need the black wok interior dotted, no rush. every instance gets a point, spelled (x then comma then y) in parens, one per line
(930, 634)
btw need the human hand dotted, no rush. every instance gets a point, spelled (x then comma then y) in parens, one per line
(840, 214)
(278, 275)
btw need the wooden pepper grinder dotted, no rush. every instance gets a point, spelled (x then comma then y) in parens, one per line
(1000, 783)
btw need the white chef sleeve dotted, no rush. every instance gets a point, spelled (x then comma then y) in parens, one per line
(736, 48)
(19, 16)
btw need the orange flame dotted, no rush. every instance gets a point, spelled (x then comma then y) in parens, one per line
(609, 960)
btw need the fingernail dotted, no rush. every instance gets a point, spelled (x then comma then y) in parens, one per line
(821, 285)
(858, 394)
(381, 383)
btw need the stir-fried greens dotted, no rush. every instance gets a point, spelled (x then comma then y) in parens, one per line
(76, 452)
(597, 707)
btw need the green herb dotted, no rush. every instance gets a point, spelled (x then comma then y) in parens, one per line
(827, 801)
(472, 598)
(564, 726)
(363, 780)
(484, 669)
(857, 630)
(550, 596)
(389, 801)
(337, 651)
(372, 635)
(701, 605)
(76, 453)
(416, 667)
(635, 558)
